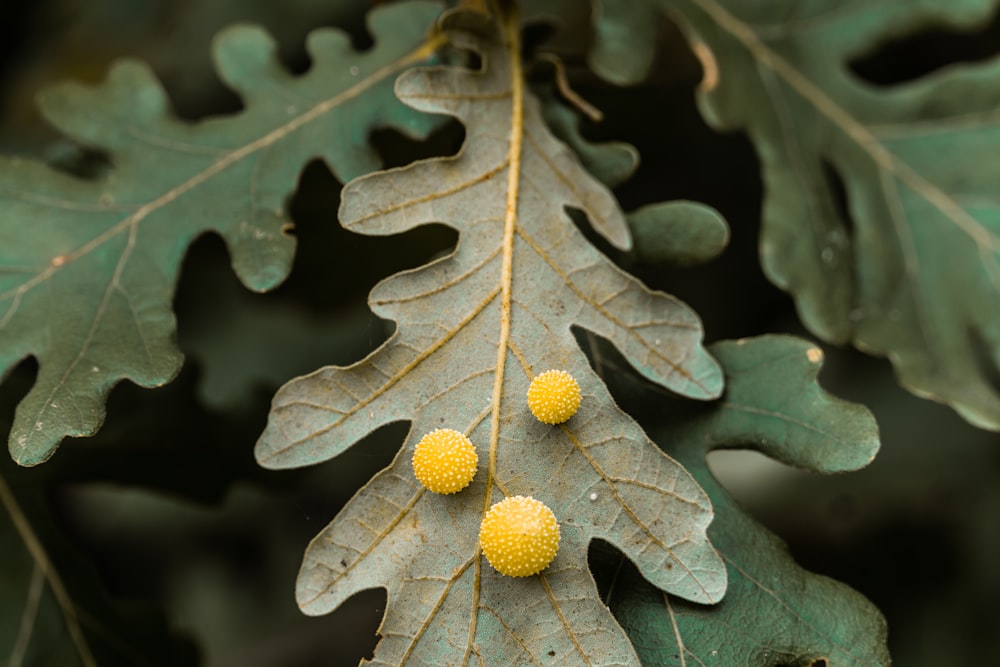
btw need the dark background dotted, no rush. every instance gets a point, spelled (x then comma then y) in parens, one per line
(183, 551)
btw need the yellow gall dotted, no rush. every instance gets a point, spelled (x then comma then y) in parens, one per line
(445, 461)
(519, 536)
(553, 397)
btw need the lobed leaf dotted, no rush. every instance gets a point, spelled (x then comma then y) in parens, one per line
(472, 329)
(680, 233)
(610, 162)
(623, 34)
(88, 267)
(910, 269)
(774, 612)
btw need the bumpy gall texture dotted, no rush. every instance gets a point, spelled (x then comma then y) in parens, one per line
(553, 397)
(445, 461)
(519, 536)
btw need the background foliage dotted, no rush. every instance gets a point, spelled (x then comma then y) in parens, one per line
(179, 544)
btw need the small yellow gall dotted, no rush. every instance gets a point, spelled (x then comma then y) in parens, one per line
(519, 536)
(445, 461)
(554, 397)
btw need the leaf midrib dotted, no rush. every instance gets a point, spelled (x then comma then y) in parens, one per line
(512, 43)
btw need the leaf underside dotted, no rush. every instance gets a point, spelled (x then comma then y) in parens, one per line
(910, 271)
(88, 267)
(472, 329)
(774, 612)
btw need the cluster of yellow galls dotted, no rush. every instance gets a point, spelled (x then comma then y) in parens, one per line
(519, 535)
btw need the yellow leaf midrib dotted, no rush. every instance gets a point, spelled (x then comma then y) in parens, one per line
(511, 25)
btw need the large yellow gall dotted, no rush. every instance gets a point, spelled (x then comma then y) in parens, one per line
(445, 461)
(519, 536)
(554, 397)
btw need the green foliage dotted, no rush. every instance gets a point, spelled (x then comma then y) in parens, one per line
(658, 563)
(774, 610)
(86, 288)
(910, 270)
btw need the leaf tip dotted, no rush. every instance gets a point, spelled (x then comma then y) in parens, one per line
(679, 233)
(33, 446)
(242, 53)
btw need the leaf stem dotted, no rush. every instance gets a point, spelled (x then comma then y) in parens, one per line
(37, 551)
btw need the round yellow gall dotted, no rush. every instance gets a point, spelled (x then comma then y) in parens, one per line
(553, 397)
(519, 536)
(445, 461)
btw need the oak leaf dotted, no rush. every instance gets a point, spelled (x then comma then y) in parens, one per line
(472, 329)
(88, 267)
(775, 612)
(909, 268)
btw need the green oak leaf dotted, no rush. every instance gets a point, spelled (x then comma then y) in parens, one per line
(678, 233)
(774, 612)
(623, 41)
(472, 329)
(610, 162)
(88, 267)
(625, 36)
(914, 273)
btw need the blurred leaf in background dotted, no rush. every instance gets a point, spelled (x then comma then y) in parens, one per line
(54, 607)
(55, 40)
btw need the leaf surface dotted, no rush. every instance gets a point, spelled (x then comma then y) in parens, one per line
(472, 329)
(680, 233)
(622, 43)
(910, 270)
(774, 612)
(88, 267)
(625, 36)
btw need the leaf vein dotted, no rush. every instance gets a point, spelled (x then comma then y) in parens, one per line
(392, 380)
(562, 618)
(680, 370)
(368, 549)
